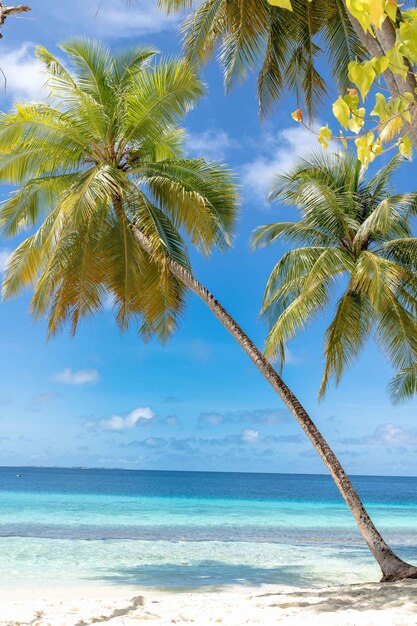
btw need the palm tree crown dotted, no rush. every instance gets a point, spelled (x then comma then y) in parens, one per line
(284, 45)
(352, 229)
(104, 153)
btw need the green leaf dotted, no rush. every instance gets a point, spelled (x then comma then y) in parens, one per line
(405, 147)
(367, 12)
(352, 99)
(282, 4)
(363, 75)
(364, 148)
(381, 108)
(354, 247)
(376, 12)
(396, 61)
(325, 134)
(390, 9)
(341, 112)
(357, 120)
(380, 64)
(407, 35)
(358, 9)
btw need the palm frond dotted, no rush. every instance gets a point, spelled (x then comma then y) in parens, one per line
(346, 335)
(353, 228)
(403, 386)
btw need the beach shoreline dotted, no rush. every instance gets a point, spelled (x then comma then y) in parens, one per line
(371, 604)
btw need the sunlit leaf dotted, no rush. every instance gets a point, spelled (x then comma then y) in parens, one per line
(341, 112)
(282, 4)
(363, 75)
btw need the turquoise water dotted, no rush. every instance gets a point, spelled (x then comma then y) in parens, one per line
(192, 530)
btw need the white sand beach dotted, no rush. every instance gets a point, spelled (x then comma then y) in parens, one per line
(353, 605)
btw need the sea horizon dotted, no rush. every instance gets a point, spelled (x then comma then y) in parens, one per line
(192, 471)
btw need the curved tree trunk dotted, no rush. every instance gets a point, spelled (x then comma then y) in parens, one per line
(392, 567)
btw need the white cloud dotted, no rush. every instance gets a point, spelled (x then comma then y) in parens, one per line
(391, 434)
(280, 152)
(138, 19)
(78, 377)
(23, 72)
(126, 422)
(211, 143)
(97, 19)
(250, 436)
(385, 434)
(4, 259)
(109, 18)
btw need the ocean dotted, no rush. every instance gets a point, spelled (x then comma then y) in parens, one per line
(192, 530)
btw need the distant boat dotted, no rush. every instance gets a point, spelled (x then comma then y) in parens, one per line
(18, 475)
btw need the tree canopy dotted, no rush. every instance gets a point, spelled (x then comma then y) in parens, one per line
(356, 245)
(106, 152)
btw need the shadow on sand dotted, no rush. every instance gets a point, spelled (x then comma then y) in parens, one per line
(359, 597)
(205, 574)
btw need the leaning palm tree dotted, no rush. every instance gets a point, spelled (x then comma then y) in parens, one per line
(101, 175)
(355, 238)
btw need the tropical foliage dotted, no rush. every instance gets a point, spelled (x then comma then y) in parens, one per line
(390, 35)
(364, 41)
(104, 152)
(287, 45)
(355, 240)
(102, 179)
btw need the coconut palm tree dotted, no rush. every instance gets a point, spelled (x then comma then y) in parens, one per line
(106, 152)
(100, 173)
(355, 240)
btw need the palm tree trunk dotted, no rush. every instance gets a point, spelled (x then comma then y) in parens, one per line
(393, 568)
(378, 46)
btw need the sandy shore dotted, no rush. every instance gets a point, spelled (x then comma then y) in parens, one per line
(355, 605)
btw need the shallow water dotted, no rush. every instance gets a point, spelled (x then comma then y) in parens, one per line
(192, 530)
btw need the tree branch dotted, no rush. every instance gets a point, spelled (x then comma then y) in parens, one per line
(6, 11)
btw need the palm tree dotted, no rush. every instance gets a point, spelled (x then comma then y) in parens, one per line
(111, 155)
(287, 46)
(354, 236)
(102, 176)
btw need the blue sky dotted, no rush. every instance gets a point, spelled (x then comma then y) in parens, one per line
(106, 399)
